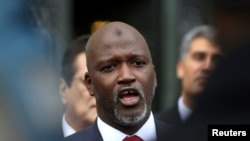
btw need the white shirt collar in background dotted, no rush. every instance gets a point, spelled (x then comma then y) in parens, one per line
(184, 111)
(67, 129)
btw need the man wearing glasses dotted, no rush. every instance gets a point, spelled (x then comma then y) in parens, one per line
(80, 107)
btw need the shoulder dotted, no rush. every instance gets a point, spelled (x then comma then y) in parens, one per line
(170, 115)
(163, 125)
(89, 134)
(168, 111)
(84, 134)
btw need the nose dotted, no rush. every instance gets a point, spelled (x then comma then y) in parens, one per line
(126, 74)
(209, 64)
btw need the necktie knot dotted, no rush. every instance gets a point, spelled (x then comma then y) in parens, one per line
(132, 138)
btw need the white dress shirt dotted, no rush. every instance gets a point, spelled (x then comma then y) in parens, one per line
(147, 132)
(67, 129)
(184, 111)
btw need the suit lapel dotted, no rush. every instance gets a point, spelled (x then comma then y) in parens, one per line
(95, 133)
(162, 129)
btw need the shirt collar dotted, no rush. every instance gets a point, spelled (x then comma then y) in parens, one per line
(184, 111)
(67, 129)
(147, 132)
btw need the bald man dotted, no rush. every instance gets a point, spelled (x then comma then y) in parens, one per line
(122, 78)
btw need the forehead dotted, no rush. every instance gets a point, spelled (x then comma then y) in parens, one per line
(117, 39)
(81, 57)
(80, 61)
(202, 44)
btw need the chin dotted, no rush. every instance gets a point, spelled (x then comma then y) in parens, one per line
(131, 119)
(197, 92)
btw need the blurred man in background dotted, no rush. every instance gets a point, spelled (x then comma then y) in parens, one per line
(198, 57)
(80, 107)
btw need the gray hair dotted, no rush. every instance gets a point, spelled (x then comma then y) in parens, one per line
(198, 31)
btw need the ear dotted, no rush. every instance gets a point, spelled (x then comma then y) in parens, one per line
(180, 69)
(88, 83)
(156, 84)
(63, 91)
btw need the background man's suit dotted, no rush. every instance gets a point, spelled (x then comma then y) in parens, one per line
(171, 116)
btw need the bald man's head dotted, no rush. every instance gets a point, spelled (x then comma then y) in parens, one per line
(115, 34)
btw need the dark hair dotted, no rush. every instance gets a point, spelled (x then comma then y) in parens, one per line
(76, 47)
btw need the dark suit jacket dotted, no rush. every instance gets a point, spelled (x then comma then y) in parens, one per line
(171, 116)
(92, 133)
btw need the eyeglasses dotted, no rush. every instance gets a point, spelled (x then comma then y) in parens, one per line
(81, 78)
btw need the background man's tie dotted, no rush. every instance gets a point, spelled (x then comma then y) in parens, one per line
(132, 138)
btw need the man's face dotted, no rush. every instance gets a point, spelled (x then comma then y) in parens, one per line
(197, 65)
(122, 78)
(80, 106)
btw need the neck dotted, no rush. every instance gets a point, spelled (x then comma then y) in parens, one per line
(77, 125)
(189, 101)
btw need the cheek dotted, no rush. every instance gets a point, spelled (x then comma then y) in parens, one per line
(85, 96)
(103, 84)
(188, 77)
(84, 91)
(196, 66)
(191, 69)
(79, 91)
(148, 84)
(103, 90)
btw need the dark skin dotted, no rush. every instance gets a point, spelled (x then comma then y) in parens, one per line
(121, 76)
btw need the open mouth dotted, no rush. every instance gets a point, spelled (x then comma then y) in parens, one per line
(129, 96)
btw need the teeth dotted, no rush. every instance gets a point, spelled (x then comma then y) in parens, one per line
(125, 92)
(128, 92)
